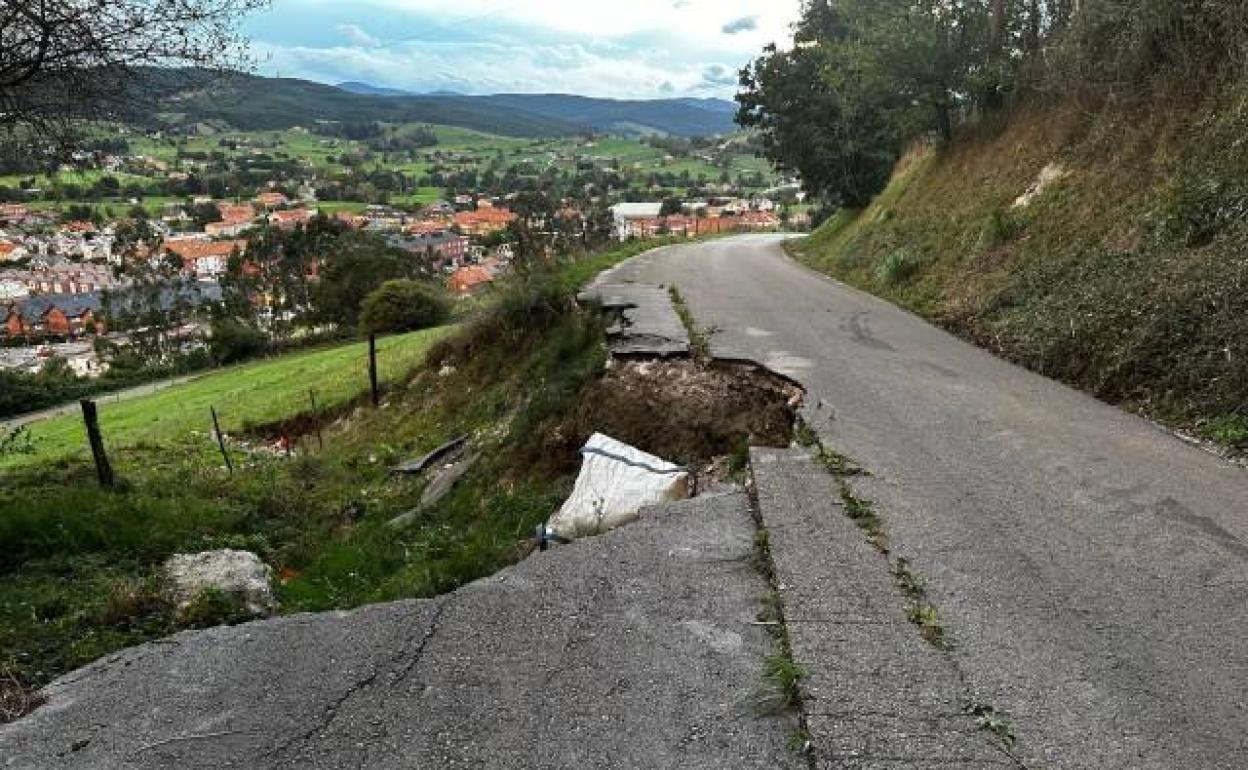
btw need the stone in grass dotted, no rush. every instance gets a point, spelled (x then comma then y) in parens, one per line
(237, 574)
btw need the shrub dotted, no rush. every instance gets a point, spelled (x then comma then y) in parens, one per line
(898, 267)
(1229, 431)
(403, 306)
(234, 341)
(215, 608)
(1000, 227)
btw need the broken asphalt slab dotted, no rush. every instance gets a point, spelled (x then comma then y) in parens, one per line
(637, 649)
(648, 324)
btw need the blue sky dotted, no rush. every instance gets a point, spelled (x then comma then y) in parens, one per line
(620, 48)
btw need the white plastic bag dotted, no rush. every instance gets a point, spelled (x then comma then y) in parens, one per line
(616, 482)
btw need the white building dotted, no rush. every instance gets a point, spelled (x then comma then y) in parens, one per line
(627, 214)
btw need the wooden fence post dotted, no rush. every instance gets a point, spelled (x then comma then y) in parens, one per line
(316, 417)
(216, 426)
(103, 470)
(372, 369)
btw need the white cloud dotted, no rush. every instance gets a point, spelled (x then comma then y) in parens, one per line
(631, 49)
(695, 19)
(355, 35)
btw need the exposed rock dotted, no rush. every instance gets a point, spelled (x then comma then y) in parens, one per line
(236, 573)
(1049, 175)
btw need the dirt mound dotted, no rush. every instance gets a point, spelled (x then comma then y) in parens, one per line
(689, 412)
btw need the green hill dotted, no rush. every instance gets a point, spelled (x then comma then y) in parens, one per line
(251, 103)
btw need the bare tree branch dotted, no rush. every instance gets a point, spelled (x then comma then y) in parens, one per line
(65, 61)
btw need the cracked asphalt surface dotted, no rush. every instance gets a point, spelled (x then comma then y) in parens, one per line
(1089, 567)
(637, 649)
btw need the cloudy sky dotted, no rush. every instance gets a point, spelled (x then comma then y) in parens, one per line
(616, 48)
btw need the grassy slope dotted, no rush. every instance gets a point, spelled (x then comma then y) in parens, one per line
(1126, 278)
(79, 567)
(251, 394)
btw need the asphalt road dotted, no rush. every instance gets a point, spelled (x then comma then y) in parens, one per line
(1090, 568)
(637, 649)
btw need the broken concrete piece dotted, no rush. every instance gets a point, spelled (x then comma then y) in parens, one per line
(438, 489)
(615, 483)
(236, 573)
(445, 481)
(418, 466)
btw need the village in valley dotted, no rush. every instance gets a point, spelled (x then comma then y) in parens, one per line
(142, 232)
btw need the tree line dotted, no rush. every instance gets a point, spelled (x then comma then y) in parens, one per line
(863, 77)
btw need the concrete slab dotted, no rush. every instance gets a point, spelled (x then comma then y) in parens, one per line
(875, 694)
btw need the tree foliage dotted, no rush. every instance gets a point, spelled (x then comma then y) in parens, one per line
(403, 306)
(357, 265)
(66, 59)
(864, 76)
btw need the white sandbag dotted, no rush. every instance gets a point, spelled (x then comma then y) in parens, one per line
(616, 482)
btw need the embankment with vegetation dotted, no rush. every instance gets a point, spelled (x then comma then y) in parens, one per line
(80, 566)
(1121, 270)
(1063, 183)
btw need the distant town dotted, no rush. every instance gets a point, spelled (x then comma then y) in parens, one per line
(72, 256)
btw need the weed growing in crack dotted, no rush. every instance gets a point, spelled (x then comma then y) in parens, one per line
(761, 557)
(992, 721)
(783, 675)
(862, 512)
(780, 691)
(804, 435)
(919, 611)
(699, 339)
(800, 741)
(838, 464)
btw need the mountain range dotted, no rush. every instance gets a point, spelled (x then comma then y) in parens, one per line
(248, 102)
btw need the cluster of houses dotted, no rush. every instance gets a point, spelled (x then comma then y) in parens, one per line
(646, 220)
(55, 275)
(52, 275)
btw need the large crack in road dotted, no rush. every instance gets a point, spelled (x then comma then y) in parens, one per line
(1088, 565)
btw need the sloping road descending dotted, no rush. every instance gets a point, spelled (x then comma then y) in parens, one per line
(1090, 568)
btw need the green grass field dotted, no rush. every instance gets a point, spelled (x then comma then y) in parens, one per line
(248, 395)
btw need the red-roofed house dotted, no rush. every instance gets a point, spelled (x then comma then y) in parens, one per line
(467, 280)
(288, 220)
(272, 200)
(205, 259)
(484, 221)
(10, 251)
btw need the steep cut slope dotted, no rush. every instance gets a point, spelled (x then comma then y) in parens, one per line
(1102, 247)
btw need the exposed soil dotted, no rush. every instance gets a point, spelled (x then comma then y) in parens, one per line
(16, 701)
(687, 412)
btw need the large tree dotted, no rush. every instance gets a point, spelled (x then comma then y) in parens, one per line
(62, 60)
(822, 110)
